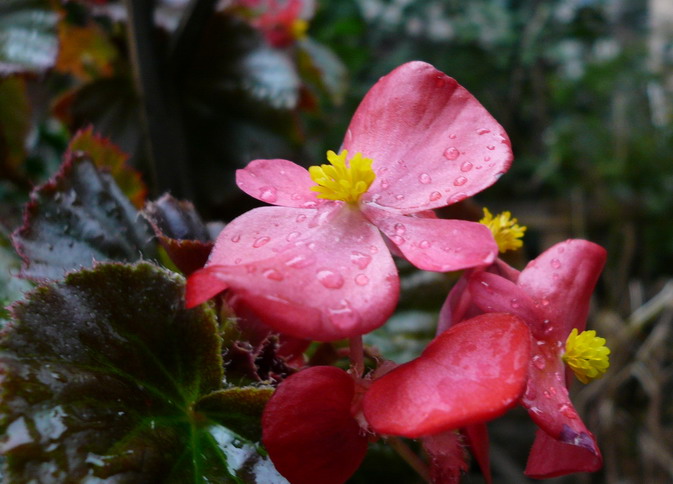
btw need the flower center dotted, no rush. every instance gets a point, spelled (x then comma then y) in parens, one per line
(587, 355)
(505, 230)
(342, 181)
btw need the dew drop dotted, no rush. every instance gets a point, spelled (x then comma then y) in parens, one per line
(296, 196)
(556, 264)
(268, 194)
(384, 184)
(460, 181)
(424, 244)
(483, 131)
(466, 166)
(300, 261)
(400, 229)
(453, 136)
(487, 158)
(451, 153)
(538, 361)
(236, 238)
(330, 279)
(361, 280)
(515, 303)
(344, 316)
(567, 411)
(273, 275)
(399, 197)
(300, 218)
(546, 394)
(397, 239)
(237, 261)
(457, 197)
(561, 250)
(260, 241)
(424, 178)
(434, 196)
(490, 147)
(312, 245)
(373, 249)
(292, 236)
(360, 260)
(309, 204)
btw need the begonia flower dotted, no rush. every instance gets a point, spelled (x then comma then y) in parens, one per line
(317, 266)
(552, 295)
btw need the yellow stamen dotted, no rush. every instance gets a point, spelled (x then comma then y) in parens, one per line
(506, 231)
(341, 181)
(299, 28)
(587, 355)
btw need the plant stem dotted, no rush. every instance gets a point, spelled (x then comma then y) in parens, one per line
(410, 457)
(357, 356)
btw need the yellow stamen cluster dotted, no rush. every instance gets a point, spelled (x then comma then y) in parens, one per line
(587, 355)
(299, 28)
(506, 231)
(341, 181)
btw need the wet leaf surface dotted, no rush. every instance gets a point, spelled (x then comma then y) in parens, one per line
(103, 374)
(78, 217)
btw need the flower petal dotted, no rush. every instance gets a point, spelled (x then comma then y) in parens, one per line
(471, 373)
(436, 244)
(477, 439)
(561, 281)
(432, 143)
(551, 458)
(278, 182)
(308, 428)
(314, 274)
(447, 457)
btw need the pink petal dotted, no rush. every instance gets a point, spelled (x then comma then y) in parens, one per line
(447, 457)
(308, 428)
(432, 143)
(202, 285)
(436, 244)
(561, 280)
(314, 274)
(471, 373)
(551, 458)
(547, 400)
(278, 182)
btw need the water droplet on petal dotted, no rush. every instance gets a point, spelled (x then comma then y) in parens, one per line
(556, 264)
(399, 197)
(292, 236)
(360, 260)
(260, 241)
(400, 229)
(300, 261)
(373, 249)
(424, 244)
(546, 394)
(466, 166)
(309, 204)
(487, 158)
(457, 197)
(490, 147)
(273, 275)
(451, 153)
(538, 361)
(460, 181)
(268, 194)
(237, 261)
(567, 411)
(236, 238)
(384, 184)
(296, 196)
(483, 131)
(300, 218)
(330, 279)
(397, 239)
(344, 316)
(424, 178)
(434, 196)
(515, 303)
(453, 136)
(361, 280)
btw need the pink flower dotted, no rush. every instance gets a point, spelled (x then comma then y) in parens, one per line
(317, 266)
(552, 295)
(313, 427)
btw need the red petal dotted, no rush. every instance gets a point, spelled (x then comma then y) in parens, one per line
(278, 182)
(477, 439)
(308, 428)
(431, 141)
(471, 373)
(436, 244)
(202, 285)
(314, 274)
(551, 458)
(561, 281)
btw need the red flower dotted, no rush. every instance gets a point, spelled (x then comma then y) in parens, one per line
(552, 295)
(316, 266)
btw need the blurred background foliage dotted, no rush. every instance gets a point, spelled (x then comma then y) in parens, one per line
(193, 90)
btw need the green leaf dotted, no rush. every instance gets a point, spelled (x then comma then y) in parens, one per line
(28, 41)
(78, 217)
(102, 373)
